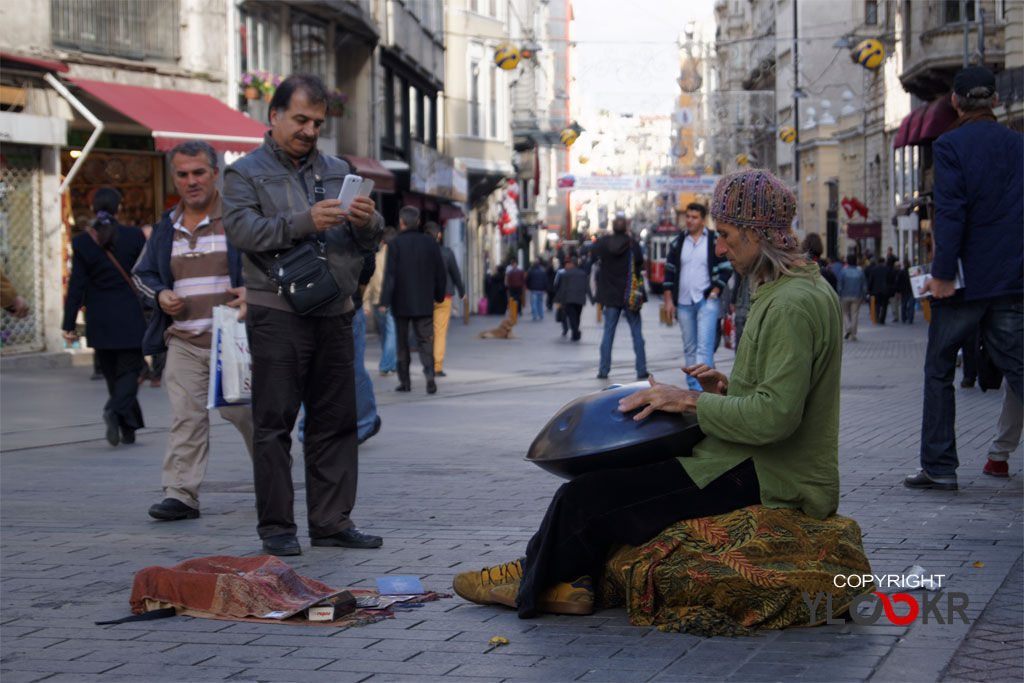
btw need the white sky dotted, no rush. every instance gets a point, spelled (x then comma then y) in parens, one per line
(627, 59)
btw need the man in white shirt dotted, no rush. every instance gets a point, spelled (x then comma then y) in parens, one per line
(694, 280)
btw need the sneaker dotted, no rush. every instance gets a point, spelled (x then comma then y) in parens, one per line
(923, 480)
(562, 598)
(997, 468)
(439, 373)
(171, 510)
(602, 375)
(386, 373)
(476, 586)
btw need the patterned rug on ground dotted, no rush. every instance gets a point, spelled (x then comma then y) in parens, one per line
(245, 589)
(735, 573)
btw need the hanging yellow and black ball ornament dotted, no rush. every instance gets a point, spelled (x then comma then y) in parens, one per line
(742, 159)
(506, 56)
(868, 53)
(787, 134)
(568, 136)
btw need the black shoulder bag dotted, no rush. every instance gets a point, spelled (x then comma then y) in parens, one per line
(302, 274)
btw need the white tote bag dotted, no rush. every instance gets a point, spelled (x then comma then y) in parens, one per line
(230, 361)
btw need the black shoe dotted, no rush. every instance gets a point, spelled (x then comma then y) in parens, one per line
(113, 429)
(127, 435)
(431, 386)
(403, 387)
(642, 377)
(373, 431)
(439, 373)
(923, 480)
(171, 510)
(601, 375)
(349, 538)
(282, 544)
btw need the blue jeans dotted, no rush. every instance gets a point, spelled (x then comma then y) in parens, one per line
(386, 331)
(611, 319)
(537, 304)
(366, 403)
(907, 304)
(1002, 331)
(698, 322)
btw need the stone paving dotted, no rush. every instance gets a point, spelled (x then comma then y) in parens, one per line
(445, 484)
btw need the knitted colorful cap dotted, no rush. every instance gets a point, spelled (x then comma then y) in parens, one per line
(753, 199)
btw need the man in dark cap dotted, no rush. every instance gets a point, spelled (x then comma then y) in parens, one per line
(772, 428)
(979, 234)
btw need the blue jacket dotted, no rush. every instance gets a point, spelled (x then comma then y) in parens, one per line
(979, 209)
(852, 283)
(152, 274)
(113, 314)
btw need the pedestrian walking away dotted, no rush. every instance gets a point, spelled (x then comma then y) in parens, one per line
(978, 230)
(537, 284)
(620, 261)
(114, 320)
(279, 197)
(695, 278)
(414, 280)
(853, 287)
(572, 289)
(383, 320)
(186, 269)
(443, 309)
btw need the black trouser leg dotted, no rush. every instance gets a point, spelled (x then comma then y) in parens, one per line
(573, 312)
(424, 328)
(402, 349)
(593, 513)
(120, 368)
(330, 443)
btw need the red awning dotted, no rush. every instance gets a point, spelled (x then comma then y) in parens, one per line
(383, 179)
(449, 211)
(925, 123)
(175, 116)
(31, 63)
(938, 117)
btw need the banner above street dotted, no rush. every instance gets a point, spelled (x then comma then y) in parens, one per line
(696, 184)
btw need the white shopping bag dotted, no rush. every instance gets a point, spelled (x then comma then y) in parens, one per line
(230, 362)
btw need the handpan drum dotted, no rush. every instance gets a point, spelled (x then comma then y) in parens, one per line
(590, 433)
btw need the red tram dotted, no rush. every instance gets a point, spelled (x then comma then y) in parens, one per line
(656, 249)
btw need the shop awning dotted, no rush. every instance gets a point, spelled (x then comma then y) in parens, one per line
(383, 179)
(17, 61)
(925, 123)
(175, 116)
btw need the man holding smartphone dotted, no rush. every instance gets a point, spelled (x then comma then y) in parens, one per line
(275, 198)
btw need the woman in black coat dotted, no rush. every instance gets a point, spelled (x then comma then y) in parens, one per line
(113, 312)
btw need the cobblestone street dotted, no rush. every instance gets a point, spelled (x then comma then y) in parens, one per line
(445, 484)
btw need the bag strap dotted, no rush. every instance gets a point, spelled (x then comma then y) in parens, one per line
(117, 264)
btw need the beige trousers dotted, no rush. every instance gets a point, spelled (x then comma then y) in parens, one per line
(851, 309)
(187, 376)
(442, 315)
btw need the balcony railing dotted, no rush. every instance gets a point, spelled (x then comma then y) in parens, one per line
(134, 29)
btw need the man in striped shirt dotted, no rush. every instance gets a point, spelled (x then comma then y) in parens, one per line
(188, 267)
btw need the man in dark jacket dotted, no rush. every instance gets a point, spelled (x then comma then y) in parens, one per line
(414, 279)
(878, 288)
(275, 198)
(187, 268)
(978, 229)
(695, 277)
(571, 291)
(537, 283)
(443, 310)
(620, 258)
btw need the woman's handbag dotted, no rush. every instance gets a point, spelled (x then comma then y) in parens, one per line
(303, 277)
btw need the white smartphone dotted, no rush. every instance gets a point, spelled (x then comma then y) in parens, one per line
(366, 187)
(349, 190)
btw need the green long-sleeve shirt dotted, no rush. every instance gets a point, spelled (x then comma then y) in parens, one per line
(782, 407)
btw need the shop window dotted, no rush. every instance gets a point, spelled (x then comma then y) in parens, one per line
(142, 29)
(259, 35)
(871, 12)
